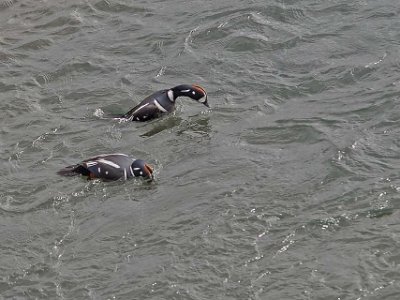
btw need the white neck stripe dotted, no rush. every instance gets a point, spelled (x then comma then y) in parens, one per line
(159, 106)
(170, 94)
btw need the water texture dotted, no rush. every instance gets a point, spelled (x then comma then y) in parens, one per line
(287, 188)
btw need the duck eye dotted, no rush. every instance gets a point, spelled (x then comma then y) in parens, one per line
(193, 92)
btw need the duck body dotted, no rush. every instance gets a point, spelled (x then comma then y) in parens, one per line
(163, 102)
(152, 107)
(110, 167)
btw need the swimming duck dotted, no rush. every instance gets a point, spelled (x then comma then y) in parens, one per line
(110, 167)
(163, 102)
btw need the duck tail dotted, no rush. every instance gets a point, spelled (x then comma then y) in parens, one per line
(115, 116)
(73, 171)
(119, 117)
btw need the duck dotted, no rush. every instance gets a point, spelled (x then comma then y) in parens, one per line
(163, 102)
(110, 167)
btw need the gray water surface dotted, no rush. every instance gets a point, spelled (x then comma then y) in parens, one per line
(287, 188)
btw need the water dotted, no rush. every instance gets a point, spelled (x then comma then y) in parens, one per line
(288, 188)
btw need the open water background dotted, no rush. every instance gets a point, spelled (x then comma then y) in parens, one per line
(288, 188)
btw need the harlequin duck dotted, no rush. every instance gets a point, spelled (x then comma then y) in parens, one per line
(110, 167)
(163, 101)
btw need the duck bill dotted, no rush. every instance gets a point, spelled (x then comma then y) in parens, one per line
(206, 102)
(149, 171)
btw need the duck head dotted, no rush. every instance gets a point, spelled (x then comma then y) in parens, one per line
(140, 168)
(194, 91)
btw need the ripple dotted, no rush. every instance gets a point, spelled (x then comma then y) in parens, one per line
(246, 41)
(58, 22)
(6, 4)
(7, 87)
(36, 44)
(69, 69)
(115, 7)
(283, 135)
(239, 30)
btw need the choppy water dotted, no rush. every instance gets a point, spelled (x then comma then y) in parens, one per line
(288, 188)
